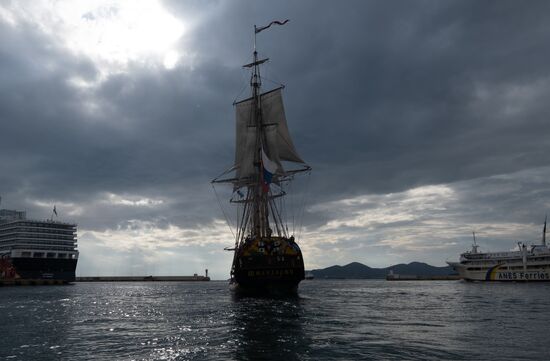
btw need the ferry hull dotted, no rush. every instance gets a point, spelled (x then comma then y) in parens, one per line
(500, 273)
(39, 268)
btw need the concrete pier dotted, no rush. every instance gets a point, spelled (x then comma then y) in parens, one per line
(44, 282)
(396, 277)
(194, 278)
(30, 282)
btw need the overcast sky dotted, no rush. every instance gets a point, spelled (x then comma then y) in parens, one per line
(422, 120)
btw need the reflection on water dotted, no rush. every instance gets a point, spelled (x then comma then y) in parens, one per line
(347, 320)
(35, 321)
(267, 328)
(508, 316)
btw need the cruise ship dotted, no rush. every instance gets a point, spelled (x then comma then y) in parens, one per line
(36, 249)
(527, 263)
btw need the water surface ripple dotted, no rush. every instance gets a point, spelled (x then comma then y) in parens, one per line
(341, 319)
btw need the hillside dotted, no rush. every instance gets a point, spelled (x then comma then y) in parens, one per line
(356, 270)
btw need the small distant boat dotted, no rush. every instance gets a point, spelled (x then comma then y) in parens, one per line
(309, 276)
(391, 276)
(526, 264)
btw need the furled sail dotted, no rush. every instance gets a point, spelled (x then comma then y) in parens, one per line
(274, 134)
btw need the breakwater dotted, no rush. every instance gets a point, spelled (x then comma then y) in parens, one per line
(45, 282)
(30, 282)
(193, 278)
(396, 277)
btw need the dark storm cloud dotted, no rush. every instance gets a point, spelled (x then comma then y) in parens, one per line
(388, 93)
(381, 96)
(402, 109)
(149, 133)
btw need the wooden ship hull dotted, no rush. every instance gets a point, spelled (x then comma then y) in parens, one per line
(271, 265)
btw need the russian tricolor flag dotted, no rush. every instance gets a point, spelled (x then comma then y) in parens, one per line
(268, 169)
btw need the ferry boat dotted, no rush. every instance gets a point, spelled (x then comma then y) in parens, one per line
(266, 256)
(36, 249)
(526, 264)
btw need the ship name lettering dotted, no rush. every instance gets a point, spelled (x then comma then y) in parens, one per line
(523, 275)
(277, 272)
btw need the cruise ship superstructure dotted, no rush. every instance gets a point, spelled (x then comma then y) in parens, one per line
(528, 263)
(36, 249)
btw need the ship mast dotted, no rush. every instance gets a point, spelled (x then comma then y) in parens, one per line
(262, 142)
(259, 198)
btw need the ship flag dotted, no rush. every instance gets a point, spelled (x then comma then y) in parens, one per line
(277, 22)
(269, 168)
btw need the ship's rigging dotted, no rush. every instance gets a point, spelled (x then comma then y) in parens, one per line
(266, 161)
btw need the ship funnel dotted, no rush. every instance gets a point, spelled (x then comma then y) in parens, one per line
(474, 246)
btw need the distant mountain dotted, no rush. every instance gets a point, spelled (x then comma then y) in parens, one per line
(356, 270)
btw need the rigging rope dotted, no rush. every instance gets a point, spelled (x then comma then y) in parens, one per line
(269, 71)
(283, 212)
(244, 75)
(223, 211)
(273, 81)
(303, 206)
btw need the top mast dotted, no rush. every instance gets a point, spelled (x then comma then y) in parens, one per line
(260, 219)
(258, 198)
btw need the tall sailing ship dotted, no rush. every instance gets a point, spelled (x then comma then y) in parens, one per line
(528, 263)
(36, 249)
(266, 256)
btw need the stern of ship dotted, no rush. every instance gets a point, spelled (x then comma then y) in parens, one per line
(272, 265)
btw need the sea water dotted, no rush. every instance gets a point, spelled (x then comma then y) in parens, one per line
(329, 320)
